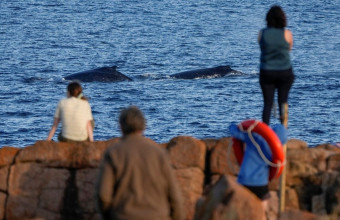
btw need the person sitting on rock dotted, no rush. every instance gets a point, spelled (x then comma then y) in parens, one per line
(136, 180)
(75, 114)
(254, 171)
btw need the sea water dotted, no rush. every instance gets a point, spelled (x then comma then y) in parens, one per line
(42, 41)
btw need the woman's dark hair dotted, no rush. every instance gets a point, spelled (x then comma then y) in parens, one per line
(75, 90)
(131, 119)
(276, 17)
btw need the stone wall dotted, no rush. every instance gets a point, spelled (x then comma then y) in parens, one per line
(52, 180)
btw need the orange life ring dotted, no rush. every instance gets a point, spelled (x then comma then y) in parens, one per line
(272, 140)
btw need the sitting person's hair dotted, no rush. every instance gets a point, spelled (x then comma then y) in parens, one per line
(75, 90)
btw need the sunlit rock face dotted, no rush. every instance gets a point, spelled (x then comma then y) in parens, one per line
(51, 180)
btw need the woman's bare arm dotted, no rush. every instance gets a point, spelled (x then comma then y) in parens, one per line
(53, 129)
(289, 38)
(89, 130)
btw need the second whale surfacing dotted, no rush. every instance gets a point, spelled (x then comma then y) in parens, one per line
(102, 74)
(214, 72)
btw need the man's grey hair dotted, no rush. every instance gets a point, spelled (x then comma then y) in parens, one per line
(131, 119)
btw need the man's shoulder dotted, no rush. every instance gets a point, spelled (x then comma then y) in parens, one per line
(137, 142)
(151, 142)
(154, 145)
(147, 144)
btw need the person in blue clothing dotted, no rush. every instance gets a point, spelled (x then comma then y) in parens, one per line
(254, 170)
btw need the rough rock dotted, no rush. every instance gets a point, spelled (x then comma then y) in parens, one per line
(56, 154)
(7, 155)
(3, 197)
(291, 214)
(333, 162)
(273, 206)
(51, 180)
(306, 168)
(36, 191)
(292, 199)
(186, 152)
(222, 158)
(3, 177)
(191, 183)
(85, 181)
(294, 144)
(228, 200)
(187, 156)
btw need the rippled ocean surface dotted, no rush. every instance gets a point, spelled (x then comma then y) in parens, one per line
(42, 41)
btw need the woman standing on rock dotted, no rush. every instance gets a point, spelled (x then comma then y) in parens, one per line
(75, 115)
(275, 68)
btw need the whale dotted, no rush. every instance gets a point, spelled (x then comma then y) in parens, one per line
(102, 74)
(214, 72)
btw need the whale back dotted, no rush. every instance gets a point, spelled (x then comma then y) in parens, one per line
(213, 72)
(102, 74)
(224, 68)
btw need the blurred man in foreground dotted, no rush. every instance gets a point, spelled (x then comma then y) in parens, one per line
(136, 180)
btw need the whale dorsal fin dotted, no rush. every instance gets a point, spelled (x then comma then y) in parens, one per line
(227, 67)
(114, 67)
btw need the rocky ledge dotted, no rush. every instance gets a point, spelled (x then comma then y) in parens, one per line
(51, 180)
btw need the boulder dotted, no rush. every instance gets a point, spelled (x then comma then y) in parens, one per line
(191, 183)
(51, 180)
(272, 206)
(3, 198)
(292, 199)
(222, 158)
(328, 200)
(294, 144)
(305, 168)
(291, 214)
(7, 155)
(4, 178)
(228, 200)
(36, 191)
(333, 162)
(67, 155)
(187, 156)
(85, 182)
(186, 152)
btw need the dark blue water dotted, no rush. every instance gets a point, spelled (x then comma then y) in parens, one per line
(42, 41)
